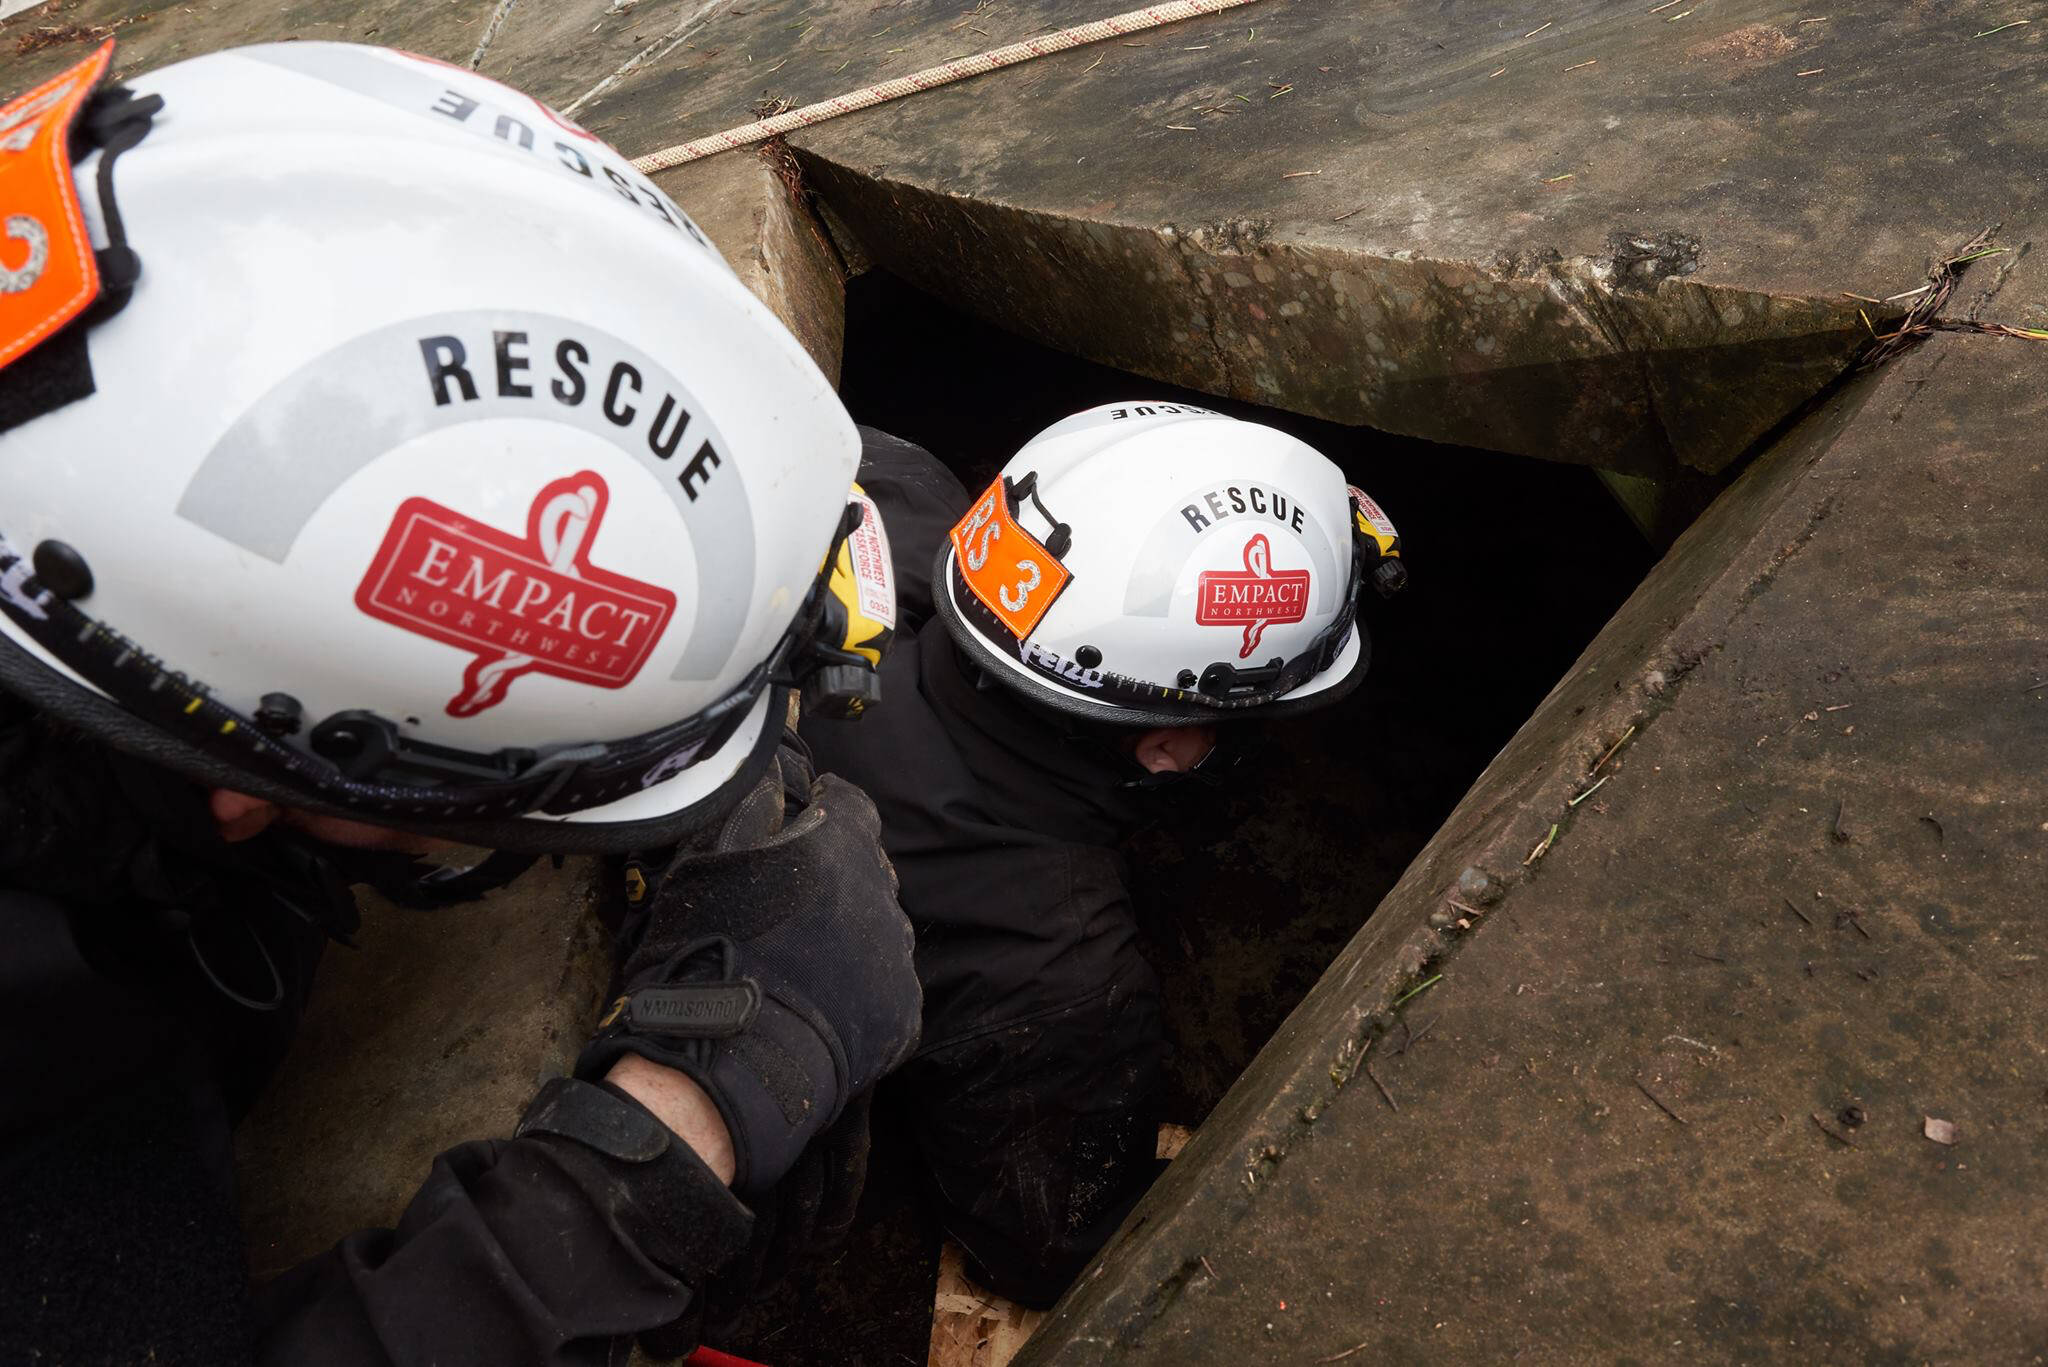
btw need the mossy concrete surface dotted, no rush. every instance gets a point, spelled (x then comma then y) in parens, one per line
(1629, 236)
(1601, 232)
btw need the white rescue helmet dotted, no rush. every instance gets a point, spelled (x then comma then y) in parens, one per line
(1160, 564)
(417, 460)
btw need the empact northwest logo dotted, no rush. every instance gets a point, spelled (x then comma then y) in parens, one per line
(524, 605)
(1253, 597)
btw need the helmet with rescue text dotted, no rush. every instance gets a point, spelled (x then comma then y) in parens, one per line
(1162, 565)
(375, 441)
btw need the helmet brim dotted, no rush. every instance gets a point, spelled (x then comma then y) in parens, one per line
(1344, 674)
(657, 815)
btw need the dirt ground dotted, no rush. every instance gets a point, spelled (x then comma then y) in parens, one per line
(1247, 891)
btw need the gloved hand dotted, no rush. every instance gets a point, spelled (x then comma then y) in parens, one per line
(773, 968)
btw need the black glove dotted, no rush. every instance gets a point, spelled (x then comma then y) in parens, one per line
(774, 969)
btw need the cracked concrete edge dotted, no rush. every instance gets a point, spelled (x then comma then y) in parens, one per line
(780, 249)
(1632, 674)
(2012, 295)
(1626, 361)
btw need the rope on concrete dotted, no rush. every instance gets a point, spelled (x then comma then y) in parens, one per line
(497, 21)
(959, 69)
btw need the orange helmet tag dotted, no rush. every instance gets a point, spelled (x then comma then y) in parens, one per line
(47, 271)
(1006, 567)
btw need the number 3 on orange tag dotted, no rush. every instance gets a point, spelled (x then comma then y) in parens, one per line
(1004, 566)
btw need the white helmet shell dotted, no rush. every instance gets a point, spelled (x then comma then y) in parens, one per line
(427, 409)
(1158, 563)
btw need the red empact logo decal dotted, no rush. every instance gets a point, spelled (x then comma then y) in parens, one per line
(522, 604)
(1252, 597)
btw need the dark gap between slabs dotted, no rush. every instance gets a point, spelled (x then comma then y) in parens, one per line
(1245, 894)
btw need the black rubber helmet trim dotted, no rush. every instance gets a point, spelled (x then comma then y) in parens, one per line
(25, 674)
(1060, 700)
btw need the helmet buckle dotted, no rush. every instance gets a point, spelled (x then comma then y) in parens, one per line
(1225, 680)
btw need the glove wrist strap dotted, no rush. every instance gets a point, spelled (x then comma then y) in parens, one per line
(687, 1220)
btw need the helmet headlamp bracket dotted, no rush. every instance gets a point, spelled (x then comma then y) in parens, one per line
(1225, 680)
(364, 745)
(836, 669)
(1061, 539)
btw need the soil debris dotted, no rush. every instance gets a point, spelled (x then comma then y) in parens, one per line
(1939, 1130)
(1478, 886)
(1413, 1036)
(1822, 1125)
(1924, 318)
(1602, 761)
(1419, 988)
(51, 35)
(1753, 43)
(1375, 1079)
(1644, 1088)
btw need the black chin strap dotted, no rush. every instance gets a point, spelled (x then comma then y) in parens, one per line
(408, 881)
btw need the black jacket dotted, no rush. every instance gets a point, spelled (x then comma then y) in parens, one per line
(1002, 818)
(122, 1069)
(1032, 1095)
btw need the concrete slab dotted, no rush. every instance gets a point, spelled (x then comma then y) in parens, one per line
(1664, 1059)
(749, 205)
(437, 1030)
(568, 52)
(151, 33)
(746, 204)
(1588, 231)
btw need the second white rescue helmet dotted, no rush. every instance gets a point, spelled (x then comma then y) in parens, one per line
(374, 440)
(1158, 564)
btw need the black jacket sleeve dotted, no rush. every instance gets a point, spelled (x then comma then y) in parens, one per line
(122, 1070)
(526, 1251)
(122, 1245)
